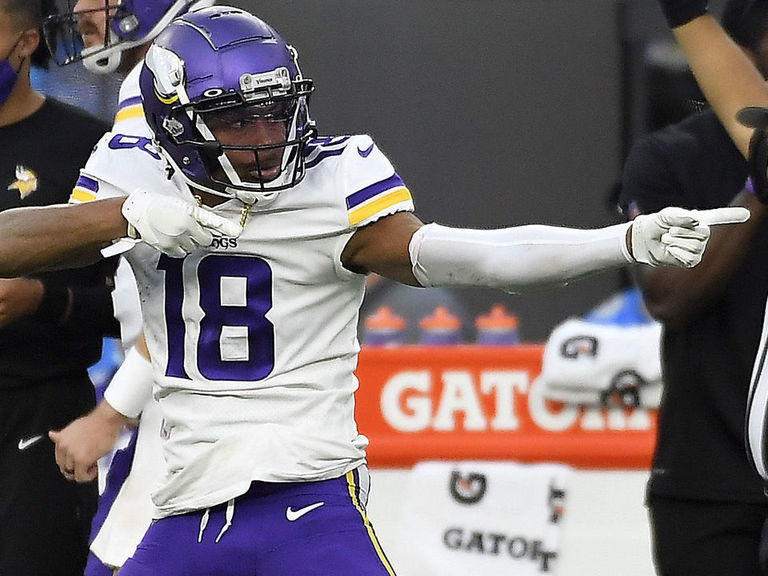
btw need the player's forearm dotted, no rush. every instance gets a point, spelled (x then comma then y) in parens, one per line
(515, 259)
(725, 74)
(530, 257)
(40, 238)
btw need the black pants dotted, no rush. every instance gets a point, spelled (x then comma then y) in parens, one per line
(44, 519)
(692, 537)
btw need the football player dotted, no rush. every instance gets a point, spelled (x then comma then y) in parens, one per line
(252, 333)
(111, 36)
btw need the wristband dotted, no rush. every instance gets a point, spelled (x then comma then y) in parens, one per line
(55, 302)
(131, 386)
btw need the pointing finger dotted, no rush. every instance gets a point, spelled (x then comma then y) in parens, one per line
(727, 215)
(212, 221)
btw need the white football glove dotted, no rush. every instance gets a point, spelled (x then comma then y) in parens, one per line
(171, 225)
(678, 237)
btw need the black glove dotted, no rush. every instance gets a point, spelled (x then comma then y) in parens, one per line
(679, 12)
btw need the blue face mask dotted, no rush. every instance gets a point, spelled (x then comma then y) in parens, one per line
(8, 75)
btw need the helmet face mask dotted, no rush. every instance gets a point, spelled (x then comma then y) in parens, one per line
(262, 136)
(110, 27)
(228, 109)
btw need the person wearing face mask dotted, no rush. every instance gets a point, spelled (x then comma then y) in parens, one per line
(51, 324)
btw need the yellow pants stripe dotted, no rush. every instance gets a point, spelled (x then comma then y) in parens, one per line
(371, 534)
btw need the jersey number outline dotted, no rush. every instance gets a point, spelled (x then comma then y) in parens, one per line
(248, 328)
(126, 142)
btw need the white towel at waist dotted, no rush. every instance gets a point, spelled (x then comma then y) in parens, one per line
(133, 510)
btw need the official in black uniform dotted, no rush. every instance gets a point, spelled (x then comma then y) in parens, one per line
(707, 505)
(51, 325)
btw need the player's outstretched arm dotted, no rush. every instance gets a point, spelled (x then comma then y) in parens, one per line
(529, 257)
(57, 236)
(64, 236)
(727, 77)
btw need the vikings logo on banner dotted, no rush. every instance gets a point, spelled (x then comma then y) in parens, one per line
(26, 182)
(467, 489)
(579, 346)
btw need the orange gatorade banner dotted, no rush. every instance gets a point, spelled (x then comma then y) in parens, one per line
(482, 403)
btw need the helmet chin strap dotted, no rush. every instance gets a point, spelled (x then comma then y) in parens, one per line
(101, 63)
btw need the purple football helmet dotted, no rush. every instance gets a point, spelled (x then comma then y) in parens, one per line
(222, 66)
(129, 23)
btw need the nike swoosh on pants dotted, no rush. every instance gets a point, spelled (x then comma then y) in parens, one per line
(293, 515)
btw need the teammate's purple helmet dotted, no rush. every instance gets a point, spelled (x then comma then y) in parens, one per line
(222, 64)
(129, 23)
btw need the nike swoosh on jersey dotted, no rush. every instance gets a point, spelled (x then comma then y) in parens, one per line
(25, 443)
(365, 153)
(293, 515)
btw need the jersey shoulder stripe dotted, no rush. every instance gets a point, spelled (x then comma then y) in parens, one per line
(361, 178)
(85, 190)
(129, 108)
(376, 198)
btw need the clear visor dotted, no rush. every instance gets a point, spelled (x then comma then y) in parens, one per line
(243, 116)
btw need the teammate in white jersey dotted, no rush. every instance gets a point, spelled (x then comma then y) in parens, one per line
(252, 333)
(111, 36)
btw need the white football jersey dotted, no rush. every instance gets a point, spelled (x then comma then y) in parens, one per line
(254, 339)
